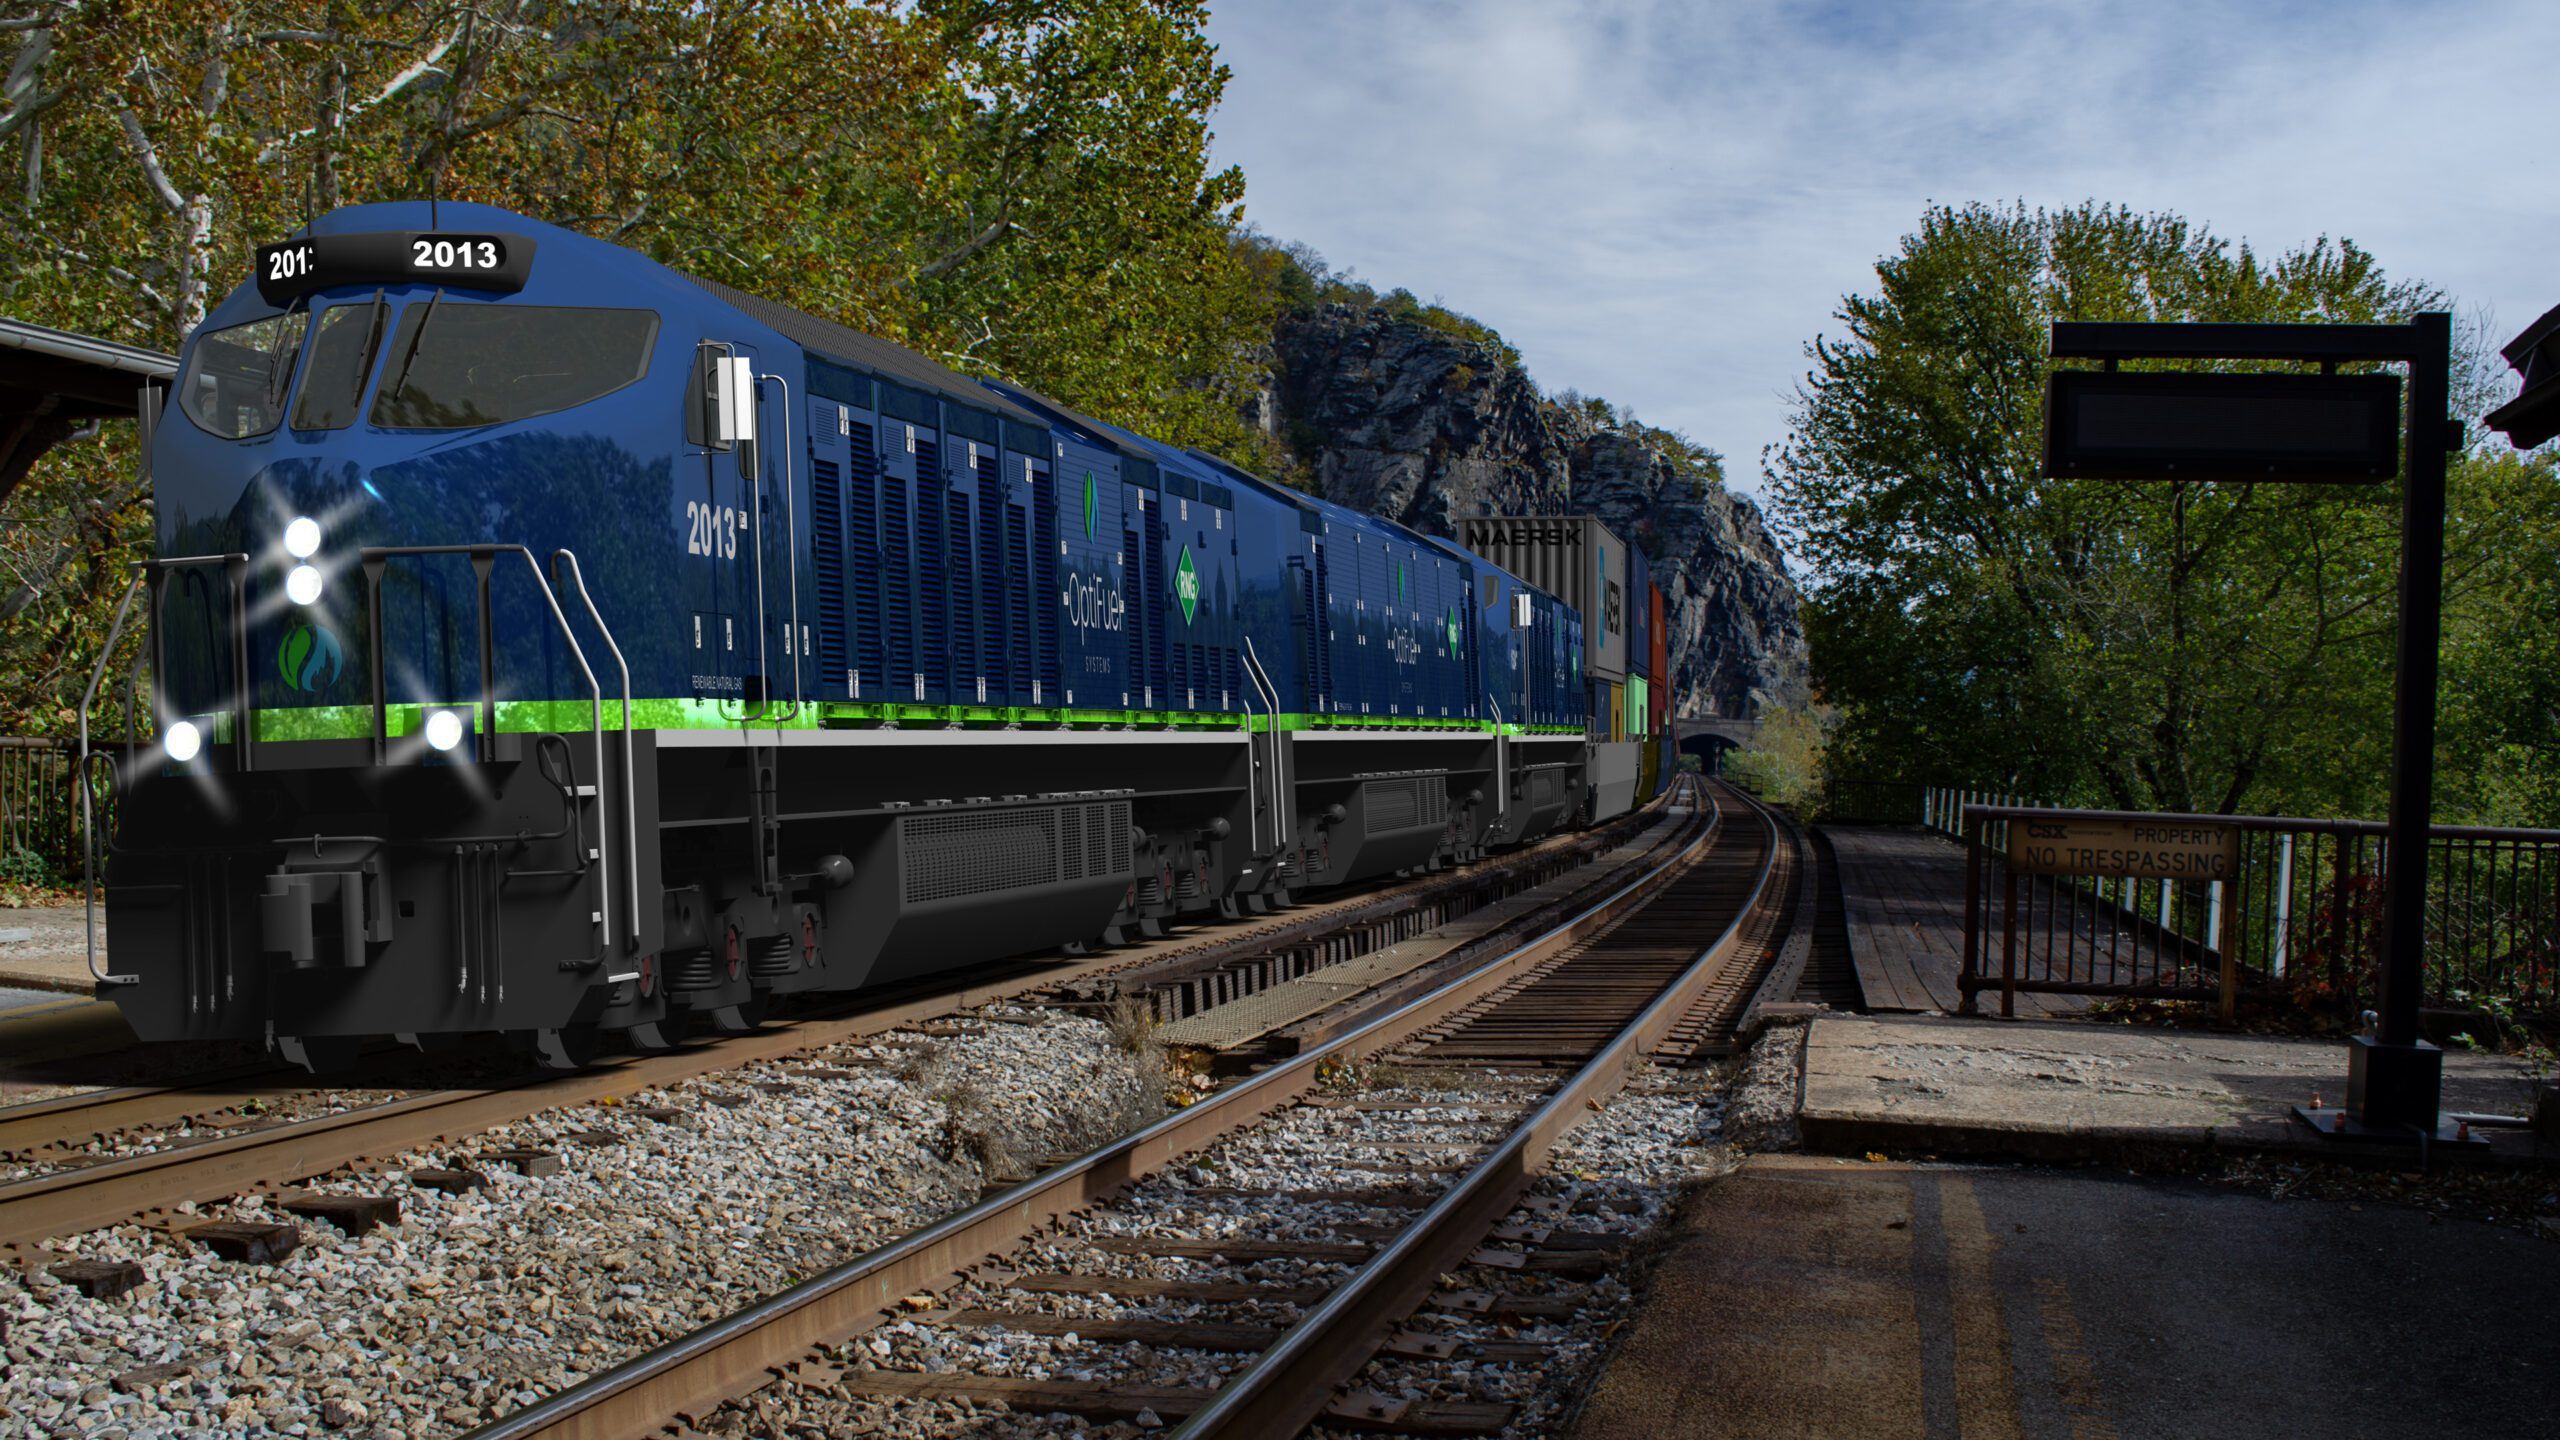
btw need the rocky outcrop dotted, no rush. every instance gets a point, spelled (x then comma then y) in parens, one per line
(1400, 419)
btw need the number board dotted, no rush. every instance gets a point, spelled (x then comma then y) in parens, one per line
(2123, 845)
(2156, 425)
(293, 268)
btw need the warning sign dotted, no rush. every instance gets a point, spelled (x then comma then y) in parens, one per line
(2144, 849)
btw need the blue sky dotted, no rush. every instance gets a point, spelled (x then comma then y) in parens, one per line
(1663, 202)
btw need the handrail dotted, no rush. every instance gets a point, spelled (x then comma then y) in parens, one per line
(1271, 702)
(630, 789)
(373, 557)
(89, 697)
(1501, 761)
(791, 639)
(2299, 824)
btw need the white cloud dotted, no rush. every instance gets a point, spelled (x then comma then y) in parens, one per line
(1662, 202)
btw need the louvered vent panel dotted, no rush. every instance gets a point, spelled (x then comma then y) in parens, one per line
(862, 510)
(1020, 633)
(1044, 545)
(897, 562)
(962, 640)
(995, 618)
(1159, 609)
(826, 555)
(933, 587)
(1139, 620)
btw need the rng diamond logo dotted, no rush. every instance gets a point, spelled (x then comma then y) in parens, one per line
(1186, 585)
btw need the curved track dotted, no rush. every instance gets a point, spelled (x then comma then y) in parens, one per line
(1623, 976)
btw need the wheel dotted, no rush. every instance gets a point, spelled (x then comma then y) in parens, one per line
(742, 1017)
(662, 1035)
(571, 1047)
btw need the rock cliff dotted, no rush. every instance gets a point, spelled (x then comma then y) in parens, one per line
(1418, 424)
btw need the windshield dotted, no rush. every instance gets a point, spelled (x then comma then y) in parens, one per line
(234, 382)
(489, 364)
(333, 382)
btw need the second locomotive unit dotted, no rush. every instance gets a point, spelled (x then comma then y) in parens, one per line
(544, 641)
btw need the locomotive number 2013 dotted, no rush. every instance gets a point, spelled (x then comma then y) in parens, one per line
(453, 255)
(712, 529)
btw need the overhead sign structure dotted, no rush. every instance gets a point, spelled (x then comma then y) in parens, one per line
(2155, 425)
(2220, 426)
(2143, 849)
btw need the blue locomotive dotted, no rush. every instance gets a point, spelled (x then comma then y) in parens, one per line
(544, 641)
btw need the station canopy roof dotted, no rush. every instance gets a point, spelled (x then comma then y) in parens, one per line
(52, 382)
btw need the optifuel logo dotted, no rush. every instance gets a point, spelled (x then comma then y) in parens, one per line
(310, 658)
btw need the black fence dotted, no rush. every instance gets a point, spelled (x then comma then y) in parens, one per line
(2301, 915)
(40, 802)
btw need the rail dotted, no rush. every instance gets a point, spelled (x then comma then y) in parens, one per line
(737, 1352)
(1289, 1387)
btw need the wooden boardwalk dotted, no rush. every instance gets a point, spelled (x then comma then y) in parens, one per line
(1902, 893)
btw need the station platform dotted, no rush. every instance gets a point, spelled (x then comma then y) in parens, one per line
(1819, 1296)
(2078, 1090)
(42, 948)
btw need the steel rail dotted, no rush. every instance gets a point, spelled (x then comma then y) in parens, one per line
(87, 1196)
(739, 1351)
(1291, 1384)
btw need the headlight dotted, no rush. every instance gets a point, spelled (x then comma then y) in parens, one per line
(303, 585)
(444, 729)
(302, 537)
(182, 740)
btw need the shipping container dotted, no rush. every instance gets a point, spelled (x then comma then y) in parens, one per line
(1575, 559)
(1639, 614)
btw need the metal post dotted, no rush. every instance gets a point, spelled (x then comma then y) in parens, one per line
(2009, 943)
(2284, 906)
(2394, 1078)
(1972, 836)
(2225, 921)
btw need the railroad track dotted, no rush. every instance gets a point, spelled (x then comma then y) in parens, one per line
(1419, 1176)
(80, 1162)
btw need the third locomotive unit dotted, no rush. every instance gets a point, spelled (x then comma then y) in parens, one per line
(543, 641)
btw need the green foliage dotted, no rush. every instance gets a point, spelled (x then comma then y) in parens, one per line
(1783, 763)
(22, 868)
(2156, 646)
(1019, 189)
(1297, 280)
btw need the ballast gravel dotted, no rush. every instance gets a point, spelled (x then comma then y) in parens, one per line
(479, 1302)
(1622, 1170)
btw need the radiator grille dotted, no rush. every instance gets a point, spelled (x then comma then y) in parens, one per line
(990, 851)
(862, 508)
(1405, 804)
(826, 554)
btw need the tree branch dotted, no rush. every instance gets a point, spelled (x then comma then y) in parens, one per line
(161, 188)
(954, 258)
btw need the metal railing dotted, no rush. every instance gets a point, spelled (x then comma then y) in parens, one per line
(2301, 916)
(40, 801)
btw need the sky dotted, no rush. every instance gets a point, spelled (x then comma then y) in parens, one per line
(1663, 203)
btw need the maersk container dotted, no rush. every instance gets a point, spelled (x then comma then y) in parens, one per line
(1575, 559)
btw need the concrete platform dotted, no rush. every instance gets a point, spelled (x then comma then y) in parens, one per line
(1810, 1296)
(2065, 1090)
(41, 948)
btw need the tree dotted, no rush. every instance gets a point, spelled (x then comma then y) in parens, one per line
(2155, 646)
(1019, 188)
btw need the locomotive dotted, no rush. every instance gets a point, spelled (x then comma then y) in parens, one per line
(543, 641)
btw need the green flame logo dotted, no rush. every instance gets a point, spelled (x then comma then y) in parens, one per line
(1089, 505)
(310, 658)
